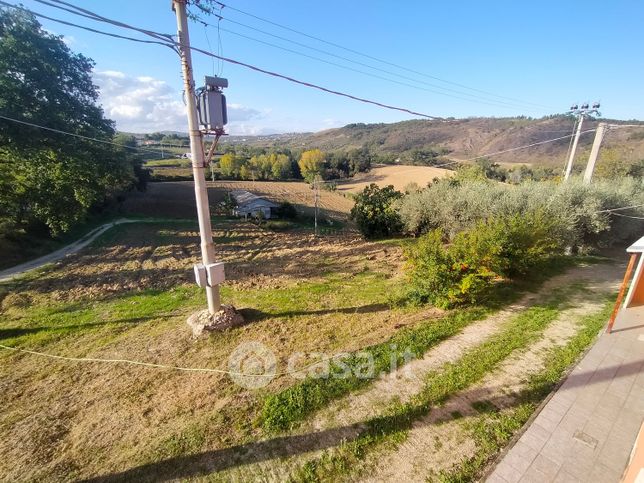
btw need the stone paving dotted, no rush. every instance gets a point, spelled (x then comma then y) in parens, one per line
(586, 431)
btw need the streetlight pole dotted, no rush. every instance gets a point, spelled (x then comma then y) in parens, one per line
(197, 150)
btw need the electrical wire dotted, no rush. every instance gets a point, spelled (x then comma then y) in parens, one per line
(375, 76)
(80, 136)
(475, 97)
(509, 150)
(165, 366)
(527, 146)
(628, 216)
(109, 34)
(94, 16)
(619, 126)
(620, 209)
(265, 71)
(375, 58)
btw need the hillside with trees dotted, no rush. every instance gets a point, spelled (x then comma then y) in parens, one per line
(421, 142)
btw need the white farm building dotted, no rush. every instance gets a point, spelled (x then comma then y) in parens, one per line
(248, 204)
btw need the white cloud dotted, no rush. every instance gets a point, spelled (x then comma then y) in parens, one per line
(68, 40)
(146, 104)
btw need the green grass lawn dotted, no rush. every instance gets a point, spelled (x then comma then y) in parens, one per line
(179, 162)
(128, 296)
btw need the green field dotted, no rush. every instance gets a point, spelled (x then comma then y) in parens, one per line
(128, 296)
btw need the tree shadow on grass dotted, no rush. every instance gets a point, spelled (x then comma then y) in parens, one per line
(13, 332)
(255, 315)
(208, 462)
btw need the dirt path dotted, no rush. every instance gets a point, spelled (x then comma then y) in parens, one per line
(432, 446)
(408, 380)
(439, 440)
(13, 272)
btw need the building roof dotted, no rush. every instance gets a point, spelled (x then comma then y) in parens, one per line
(637, 247)
(243, 197)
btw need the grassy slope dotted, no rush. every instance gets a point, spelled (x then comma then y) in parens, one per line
(136, 416)
(307, 315)
(466, 138)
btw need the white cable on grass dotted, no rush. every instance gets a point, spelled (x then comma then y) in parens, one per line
(164, 366)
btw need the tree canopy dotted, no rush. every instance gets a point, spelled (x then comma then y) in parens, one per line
(375, 211)
(49, 178)
(311, 164)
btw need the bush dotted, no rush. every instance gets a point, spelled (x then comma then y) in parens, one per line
(287, 210)
(464, 271)
(280, 225)
(375, 213)
(576, 209)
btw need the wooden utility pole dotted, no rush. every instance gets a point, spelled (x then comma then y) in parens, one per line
(316, 190)
(594, 152)
(197, 150)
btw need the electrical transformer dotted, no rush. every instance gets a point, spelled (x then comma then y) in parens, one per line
(211, 104)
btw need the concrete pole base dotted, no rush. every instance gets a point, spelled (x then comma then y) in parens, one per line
(203, 322)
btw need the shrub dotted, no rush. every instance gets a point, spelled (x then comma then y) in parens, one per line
(375, 213)
(280, 225)
(576, 209)
(287, 210)
(496, 249)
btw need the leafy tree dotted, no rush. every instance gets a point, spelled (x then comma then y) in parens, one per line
(52, 179)
(637, 169)
(311, 164)
(230, 165)
(337, 166)
(492, 170)
(470, 172)
(611, 164)
(493, 249)
(136, 159)
(287, 210)
(245, 172)
(281, 166)
(375, 211)
(359, 161)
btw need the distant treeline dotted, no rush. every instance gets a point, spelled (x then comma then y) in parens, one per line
(249, 163)
(171, 139)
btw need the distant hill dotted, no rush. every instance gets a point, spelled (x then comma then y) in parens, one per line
(461, 139)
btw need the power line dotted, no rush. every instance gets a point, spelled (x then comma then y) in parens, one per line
(268, 72)
(326, 52)
(166, 43)
(527, 146)
(286, 49)
(628, 216)
(620, 209)
(94, 16)
(507, 150)
(109, 34)
(76, 135)
(372, 57)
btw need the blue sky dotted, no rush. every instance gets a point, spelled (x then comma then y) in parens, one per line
(547, 53)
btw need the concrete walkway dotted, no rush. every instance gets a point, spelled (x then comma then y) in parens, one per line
(78, 245)
(586, 431)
